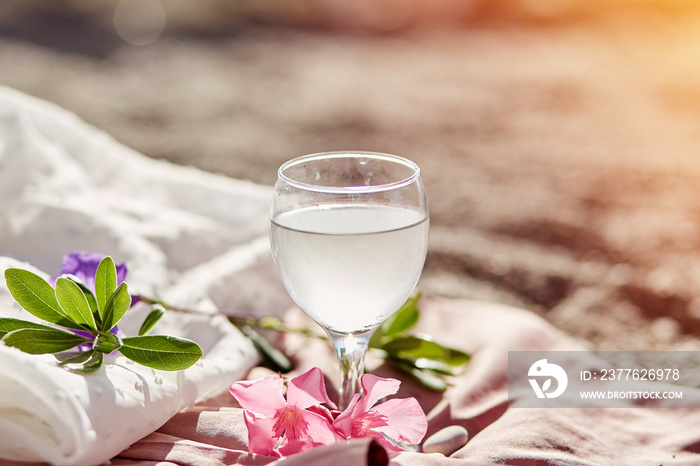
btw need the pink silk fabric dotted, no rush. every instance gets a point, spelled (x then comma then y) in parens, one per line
(213, 433)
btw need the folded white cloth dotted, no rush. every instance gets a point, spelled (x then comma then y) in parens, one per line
(188, 237)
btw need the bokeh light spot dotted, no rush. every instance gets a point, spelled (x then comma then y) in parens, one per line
(139, 22)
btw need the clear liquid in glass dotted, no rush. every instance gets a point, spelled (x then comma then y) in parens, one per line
(350, 266)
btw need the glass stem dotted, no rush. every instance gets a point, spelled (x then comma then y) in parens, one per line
(351, 350)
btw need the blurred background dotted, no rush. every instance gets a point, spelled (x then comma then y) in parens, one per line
(558, 138)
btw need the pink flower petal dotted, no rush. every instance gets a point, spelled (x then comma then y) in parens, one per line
(323, 412)
(320, 432)
(343, 423)
(320, 429)
(261, 437)
(308, 389)
(291, 446)
(364, 424)
(406, 420)
(375, 388)
(385, 443)
(264, 396)
(290, 422)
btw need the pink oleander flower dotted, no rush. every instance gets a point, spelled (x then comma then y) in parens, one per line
(279, 427)
(390, 422)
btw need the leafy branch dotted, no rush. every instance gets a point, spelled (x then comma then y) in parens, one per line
(417, 355)
(86, 319)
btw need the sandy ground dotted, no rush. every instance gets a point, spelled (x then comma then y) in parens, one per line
(560, 157)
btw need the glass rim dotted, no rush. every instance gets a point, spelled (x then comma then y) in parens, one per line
(349, 189)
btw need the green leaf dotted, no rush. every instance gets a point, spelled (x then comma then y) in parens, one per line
(403, 320)
(84, 362)
(424, 347)
(455, 357)
(9, 324)
(161, 352)
(74, 303)
(275, 358)
(35, 295)
(105, 283)
(413, 347)
(151, 319)
(426, 378)
(69, 355)
(89, 295)
(42, 341)
(117, 305)
(107, 342)
(435, 365)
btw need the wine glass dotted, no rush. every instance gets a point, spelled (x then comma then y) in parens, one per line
(349, 236)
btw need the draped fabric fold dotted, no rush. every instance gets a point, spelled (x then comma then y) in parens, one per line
(200, 240)
(191, 238)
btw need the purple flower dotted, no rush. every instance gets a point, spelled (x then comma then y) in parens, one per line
(83, 265)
